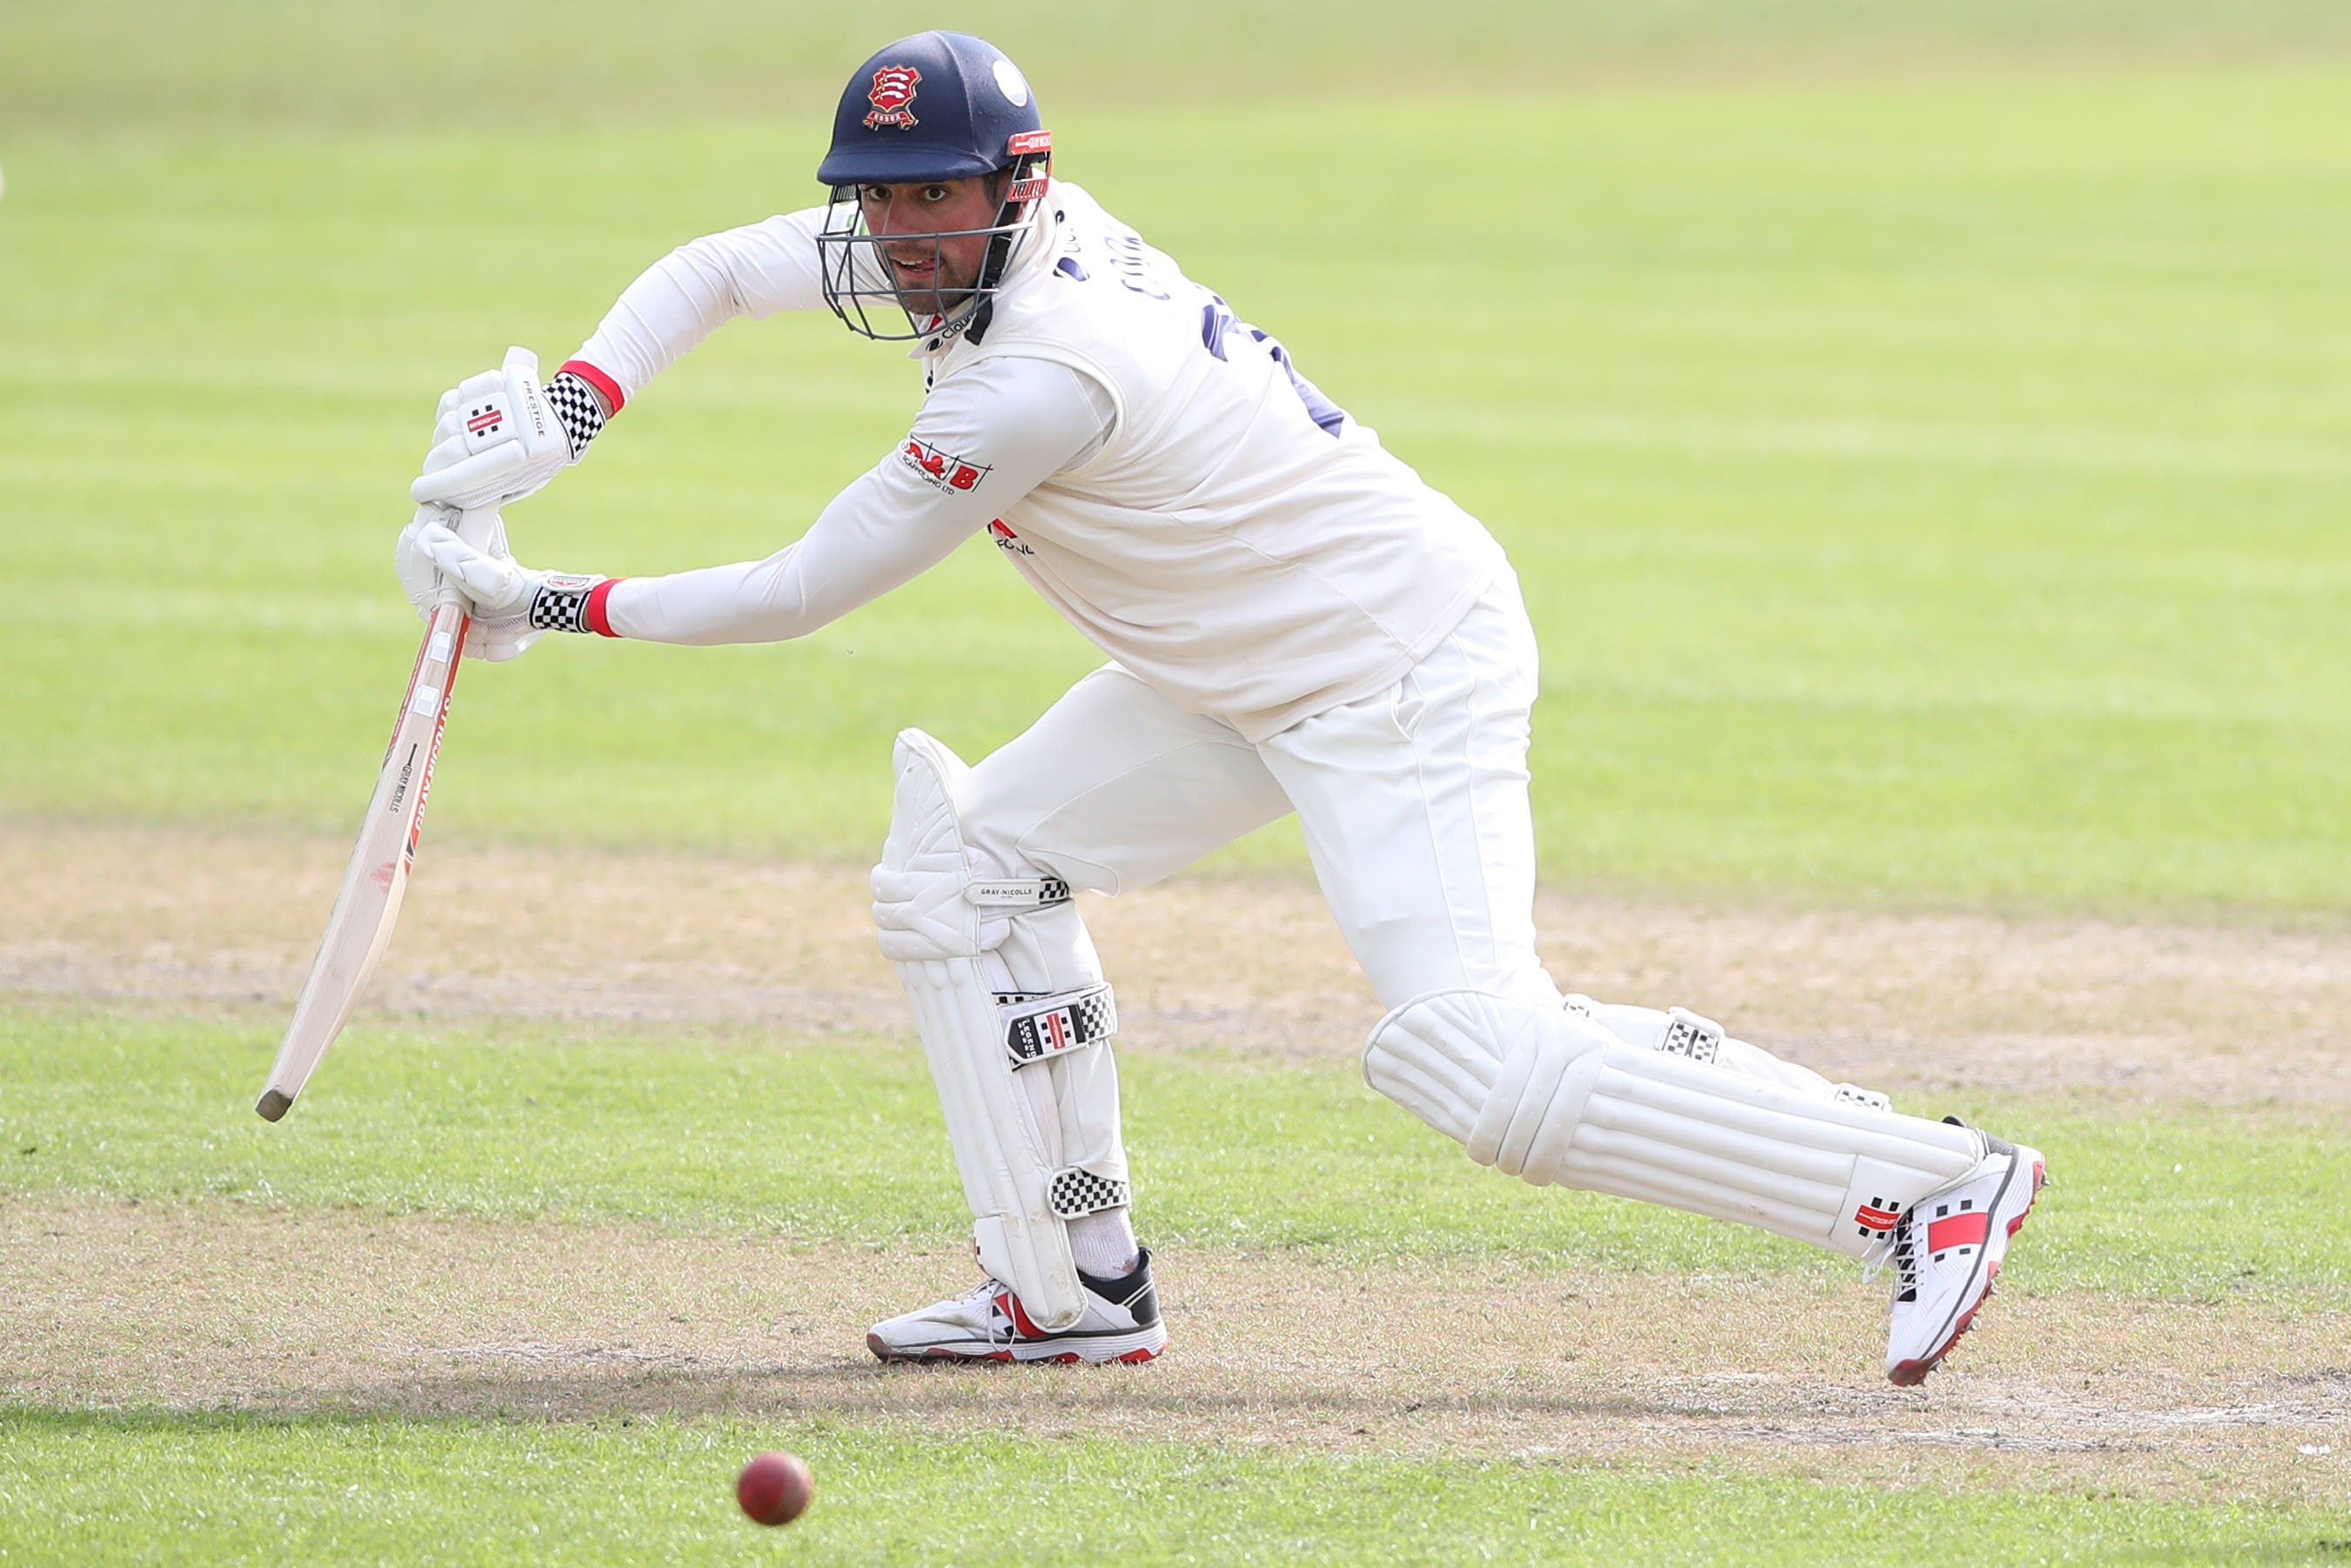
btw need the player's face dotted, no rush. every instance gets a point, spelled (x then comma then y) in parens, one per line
(933, 276)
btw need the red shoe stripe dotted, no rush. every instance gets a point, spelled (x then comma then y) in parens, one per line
(1959, 1230)
(1019, 1316)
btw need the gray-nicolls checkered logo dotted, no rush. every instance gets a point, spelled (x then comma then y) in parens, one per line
(1051, 1025)
(1687, 1034)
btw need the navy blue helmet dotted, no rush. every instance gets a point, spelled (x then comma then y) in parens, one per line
(934, 107)
(937, 106)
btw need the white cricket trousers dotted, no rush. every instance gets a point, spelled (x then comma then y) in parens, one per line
(1414, 803)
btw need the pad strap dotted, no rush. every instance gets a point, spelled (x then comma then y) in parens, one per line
(1020, 892)
(1076, 1193)
(1687, 1034)
(1037, 1028)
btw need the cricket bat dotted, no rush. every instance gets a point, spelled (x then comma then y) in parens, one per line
(368, 903)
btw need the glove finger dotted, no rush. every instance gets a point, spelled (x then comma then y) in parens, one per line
(447, 405)
(492, 584)
(489, 583)
(497, 638)
(468, 476)
(460, 561)
(414, 569)
(431, 486)
(498, 649)
(482, 385)
(521, 364)
(444, 453)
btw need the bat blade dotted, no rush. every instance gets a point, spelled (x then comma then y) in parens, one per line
(368, 903)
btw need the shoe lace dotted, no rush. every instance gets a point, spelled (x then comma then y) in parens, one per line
(1894, 1247)
(987, 1290)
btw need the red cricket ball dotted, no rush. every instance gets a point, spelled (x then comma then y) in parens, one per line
(775, 1488)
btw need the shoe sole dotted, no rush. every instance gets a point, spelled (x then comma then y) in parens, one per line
(1910, 1373)
(1106, 1350)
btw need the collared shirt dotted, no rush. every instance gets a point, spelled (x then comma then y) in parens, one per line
(1157, 469)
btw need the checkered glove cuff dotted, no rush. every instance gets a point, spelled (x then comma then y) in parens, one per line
(561, 602)
(576, 409)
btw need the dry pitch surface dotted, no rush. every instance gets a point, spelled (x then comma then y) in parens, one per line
(122, 1305)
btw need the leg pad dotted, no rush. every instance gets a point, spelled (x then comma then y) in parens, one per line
(1548, 1095)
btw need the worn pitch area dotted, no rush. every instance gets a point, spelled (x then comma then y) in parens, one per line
(117, 916)
(222, 1304)
(121, 1304)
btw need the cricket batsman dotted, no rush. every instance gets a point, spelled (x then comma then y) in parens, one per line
(1294, 621)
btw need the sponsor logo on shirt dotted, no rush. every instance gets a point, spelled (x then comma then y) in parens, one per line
(941, 470)
(1005, 540)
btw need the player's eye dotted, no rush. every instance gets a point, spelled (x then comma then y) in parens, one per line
(935, 193)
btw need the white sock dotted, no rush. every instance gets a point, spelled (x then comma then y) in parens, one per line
(1102, 1244)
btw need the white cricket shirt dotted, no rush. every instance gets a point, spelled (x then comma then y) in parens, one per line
(1155, 468)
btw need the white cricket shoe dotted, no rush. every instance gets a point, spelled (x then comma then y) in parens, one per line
(1947, 1252)
(988, 1322)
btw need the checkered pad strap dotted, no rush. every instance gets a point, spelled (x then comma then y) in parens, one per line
(1853, 1094)
(1040, 1028)
(576, 409)
(1075, 1193)
(1687, 1034)
(561, 602)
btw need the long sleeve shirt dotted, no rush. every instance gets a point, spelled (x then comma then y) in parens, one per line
(1157, 469)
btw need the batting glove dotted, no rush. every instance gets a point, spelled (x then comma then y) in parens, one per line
(512, 605)
(500, 435)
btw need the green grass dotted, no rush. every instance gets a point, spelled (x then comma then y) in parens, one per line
(841, 1141)
(1927, 469)
(1929, 496)
(200, 1488)
(144, 67)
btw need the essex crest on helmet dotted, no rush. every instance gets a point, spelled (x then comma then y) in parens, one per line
(893, 89)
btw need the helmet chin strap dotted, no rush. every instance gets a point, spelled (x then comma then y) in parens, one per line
(1014, 220)
(1023, 192)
